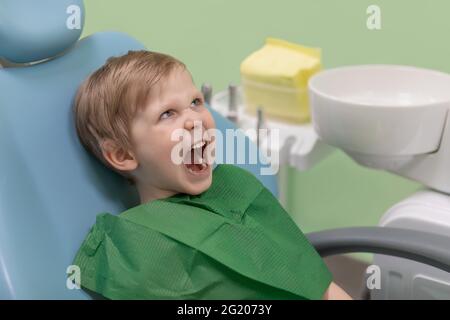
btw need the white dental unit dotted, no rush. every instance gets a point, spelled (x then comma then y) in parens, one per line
(386, 117)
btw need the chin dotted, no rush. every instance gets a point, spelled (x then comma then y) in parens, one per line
(199, 187)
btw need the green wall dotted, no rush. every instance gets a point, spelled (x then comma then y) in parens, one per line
(213, 36)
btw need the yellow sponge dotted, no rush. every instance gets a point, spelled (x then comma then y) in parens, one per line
(276, 77)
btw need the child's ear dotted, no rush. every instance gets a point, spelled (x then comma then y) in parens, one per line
(117, 157)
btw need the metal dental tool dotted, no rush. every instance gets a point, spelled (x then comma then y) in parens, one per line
(259, 124)
(232, 103)
(207, 92)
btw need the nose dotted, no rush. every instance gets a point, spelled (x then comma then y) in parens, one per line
(193, 123)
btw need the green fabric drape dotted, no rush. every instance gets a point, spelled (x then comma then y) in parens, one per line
(234, 241)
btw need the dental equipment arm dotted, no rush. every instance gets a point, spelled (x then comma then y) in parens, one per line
(424, 247)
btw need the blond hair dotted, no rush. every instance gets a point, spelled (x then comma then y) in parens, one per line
(107, 101)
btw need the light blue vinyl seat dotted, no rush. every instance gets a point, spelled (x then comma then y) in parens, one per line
(51, 189)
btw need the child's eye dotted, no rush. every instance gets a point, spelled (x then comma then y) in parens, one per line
(196, 102)
(166, 114)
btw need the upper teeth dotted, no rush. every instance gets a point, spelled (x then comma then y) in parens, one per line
(198, 145)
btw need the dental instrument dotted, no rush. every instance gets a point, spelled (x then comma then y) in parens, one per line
(207, 92)
(232, 103)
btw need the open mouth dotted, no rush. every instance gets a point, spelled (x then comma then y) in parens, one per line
(195, 159)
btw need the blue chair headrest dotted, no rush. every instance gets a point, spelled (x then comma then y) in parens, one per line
(31, 32)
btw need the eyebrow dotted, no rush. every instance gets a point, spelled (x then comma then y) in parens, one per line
(167, 106)
(195, 94)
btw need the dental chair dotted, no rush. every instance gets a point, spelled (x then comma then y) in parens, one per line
(51, 189)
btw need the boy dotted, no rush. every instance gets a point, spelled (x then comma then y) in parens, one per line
(198, 233)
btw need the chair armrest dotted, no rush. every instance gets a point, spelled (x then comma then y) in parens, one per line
(431, 249)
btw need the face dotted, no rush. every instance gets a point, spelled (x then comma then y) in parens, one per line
(172, 127)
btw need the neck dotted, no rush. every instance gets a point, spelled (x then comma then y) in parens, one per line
(149, 193)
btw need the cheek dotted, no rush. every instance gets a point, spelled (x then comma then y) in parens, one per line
(153, 147)
(209, 120)
(148, 146)
(162, 146)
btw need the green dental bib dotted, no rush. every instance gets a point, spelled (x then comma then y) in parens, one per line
(234, 241)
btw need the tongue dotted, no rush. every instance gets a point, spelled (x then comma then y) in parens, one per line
(195, 167)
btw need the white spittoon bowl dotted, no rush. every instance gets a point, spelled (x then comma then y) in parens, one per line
(380, 109)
